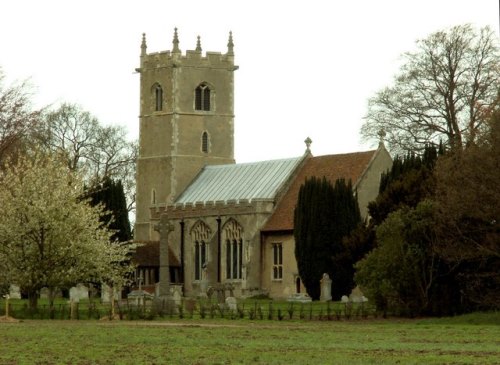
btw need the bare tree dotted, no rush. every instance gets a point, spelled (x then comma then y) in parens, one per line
(440, 93)
(97, 151)
(17, 118)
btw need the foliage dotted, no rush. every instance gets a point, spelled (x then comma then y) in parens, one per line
(409, 181)
(110, 195)
(468, 198)
(17, 118)
(323, 216)
(401, 271)
(49, 237)
(441, 92)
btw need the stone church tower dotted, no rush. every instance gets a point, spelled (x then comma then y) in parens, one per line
(186, 122)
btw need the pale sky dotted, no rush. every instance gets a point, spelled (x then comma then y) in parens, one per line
(307, 68)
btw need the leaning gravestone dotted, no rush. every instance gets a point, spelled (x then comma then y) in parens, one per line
(326, 288)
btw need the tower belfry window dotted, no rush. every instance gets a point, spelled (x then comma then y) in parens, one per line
(202, 97)
(158, 98)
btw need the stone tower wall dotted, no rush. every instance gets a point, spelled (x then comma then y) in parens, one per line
(170, 140)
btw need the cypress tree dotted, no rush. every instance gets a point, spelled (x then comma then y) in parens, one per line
(111, 195)
(324, 215)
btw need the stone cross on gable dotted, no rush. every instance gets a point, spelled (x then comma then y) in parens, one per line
(164, 228)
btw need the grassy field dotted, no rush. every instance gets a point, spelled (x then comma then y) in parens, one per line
(472, 339)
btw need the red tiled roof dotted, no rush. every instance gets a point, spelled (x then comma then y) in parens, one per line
(333, 167)
(149, 255)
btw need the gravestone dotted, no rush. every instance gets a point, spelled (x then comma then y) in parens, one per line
(78, 292)
(344, 299)
(299, 298)
(231, 303)
(326, 288)
(177, 298)
(106, 293)
(357, 296)
(204, 284)
(14, 292)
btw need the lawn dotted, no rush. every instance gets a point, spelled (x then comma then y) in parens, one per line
(472, 339)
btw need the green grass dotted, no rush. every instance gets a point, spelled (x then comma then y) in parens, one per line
(471, 339)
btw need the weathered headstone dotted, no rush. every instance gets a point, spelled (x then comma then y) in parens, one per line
(357, 296)
(326, 288)
(300, 298)
(106, 293)
(231, 303)
(344, 299)
(177, 298)
(14, 292)
(204, 283)
(78, 292)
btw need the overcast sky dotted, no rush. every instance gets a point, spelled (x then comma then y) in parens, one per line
(307, 68)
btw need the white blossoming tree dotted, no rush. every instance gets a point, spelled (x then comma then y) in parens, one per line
(50, 236)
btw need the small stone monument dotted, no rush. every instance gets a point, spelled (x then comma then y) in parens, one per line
(231, 303)
(14, 291)
(78, 292)
(204, 282)
(326, 288)
(357, 296)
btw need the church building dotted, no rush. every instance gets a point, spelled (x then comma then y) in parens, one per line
(205, 220)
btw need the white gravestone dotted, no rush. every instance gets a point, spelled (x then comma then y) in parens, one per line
(14, 292)
(78, 292)
(232, 303)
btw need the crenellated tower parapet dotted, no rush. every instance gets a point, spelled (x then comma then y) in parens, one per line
(191, 58)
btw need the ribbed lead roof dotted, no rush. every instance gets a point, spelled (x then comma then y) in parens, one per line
(256, 180)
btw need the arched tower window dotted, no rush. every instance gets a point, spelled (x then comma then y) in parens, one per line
(233, 233)
(200, 235)
(202, 97)
(204, 142)
(153, 196)
(158, 98)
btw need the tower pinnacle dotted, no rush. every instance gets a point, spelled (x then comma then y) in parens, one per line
(198, 44)
(175, 42)
(143, 45)
(230, 45)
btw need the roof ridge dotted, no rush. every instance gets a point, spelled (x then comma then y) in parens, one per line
(233, 165)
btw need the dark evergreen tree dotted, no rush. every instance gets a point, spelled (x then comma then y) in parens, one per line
(324, 215)
(111, 195)
(407, 183)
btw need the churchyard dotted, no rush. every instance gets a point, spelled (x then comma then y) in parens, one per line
(469, 339)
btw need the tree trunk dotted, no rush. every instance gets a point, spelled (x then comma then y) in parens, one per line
(33, 298)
